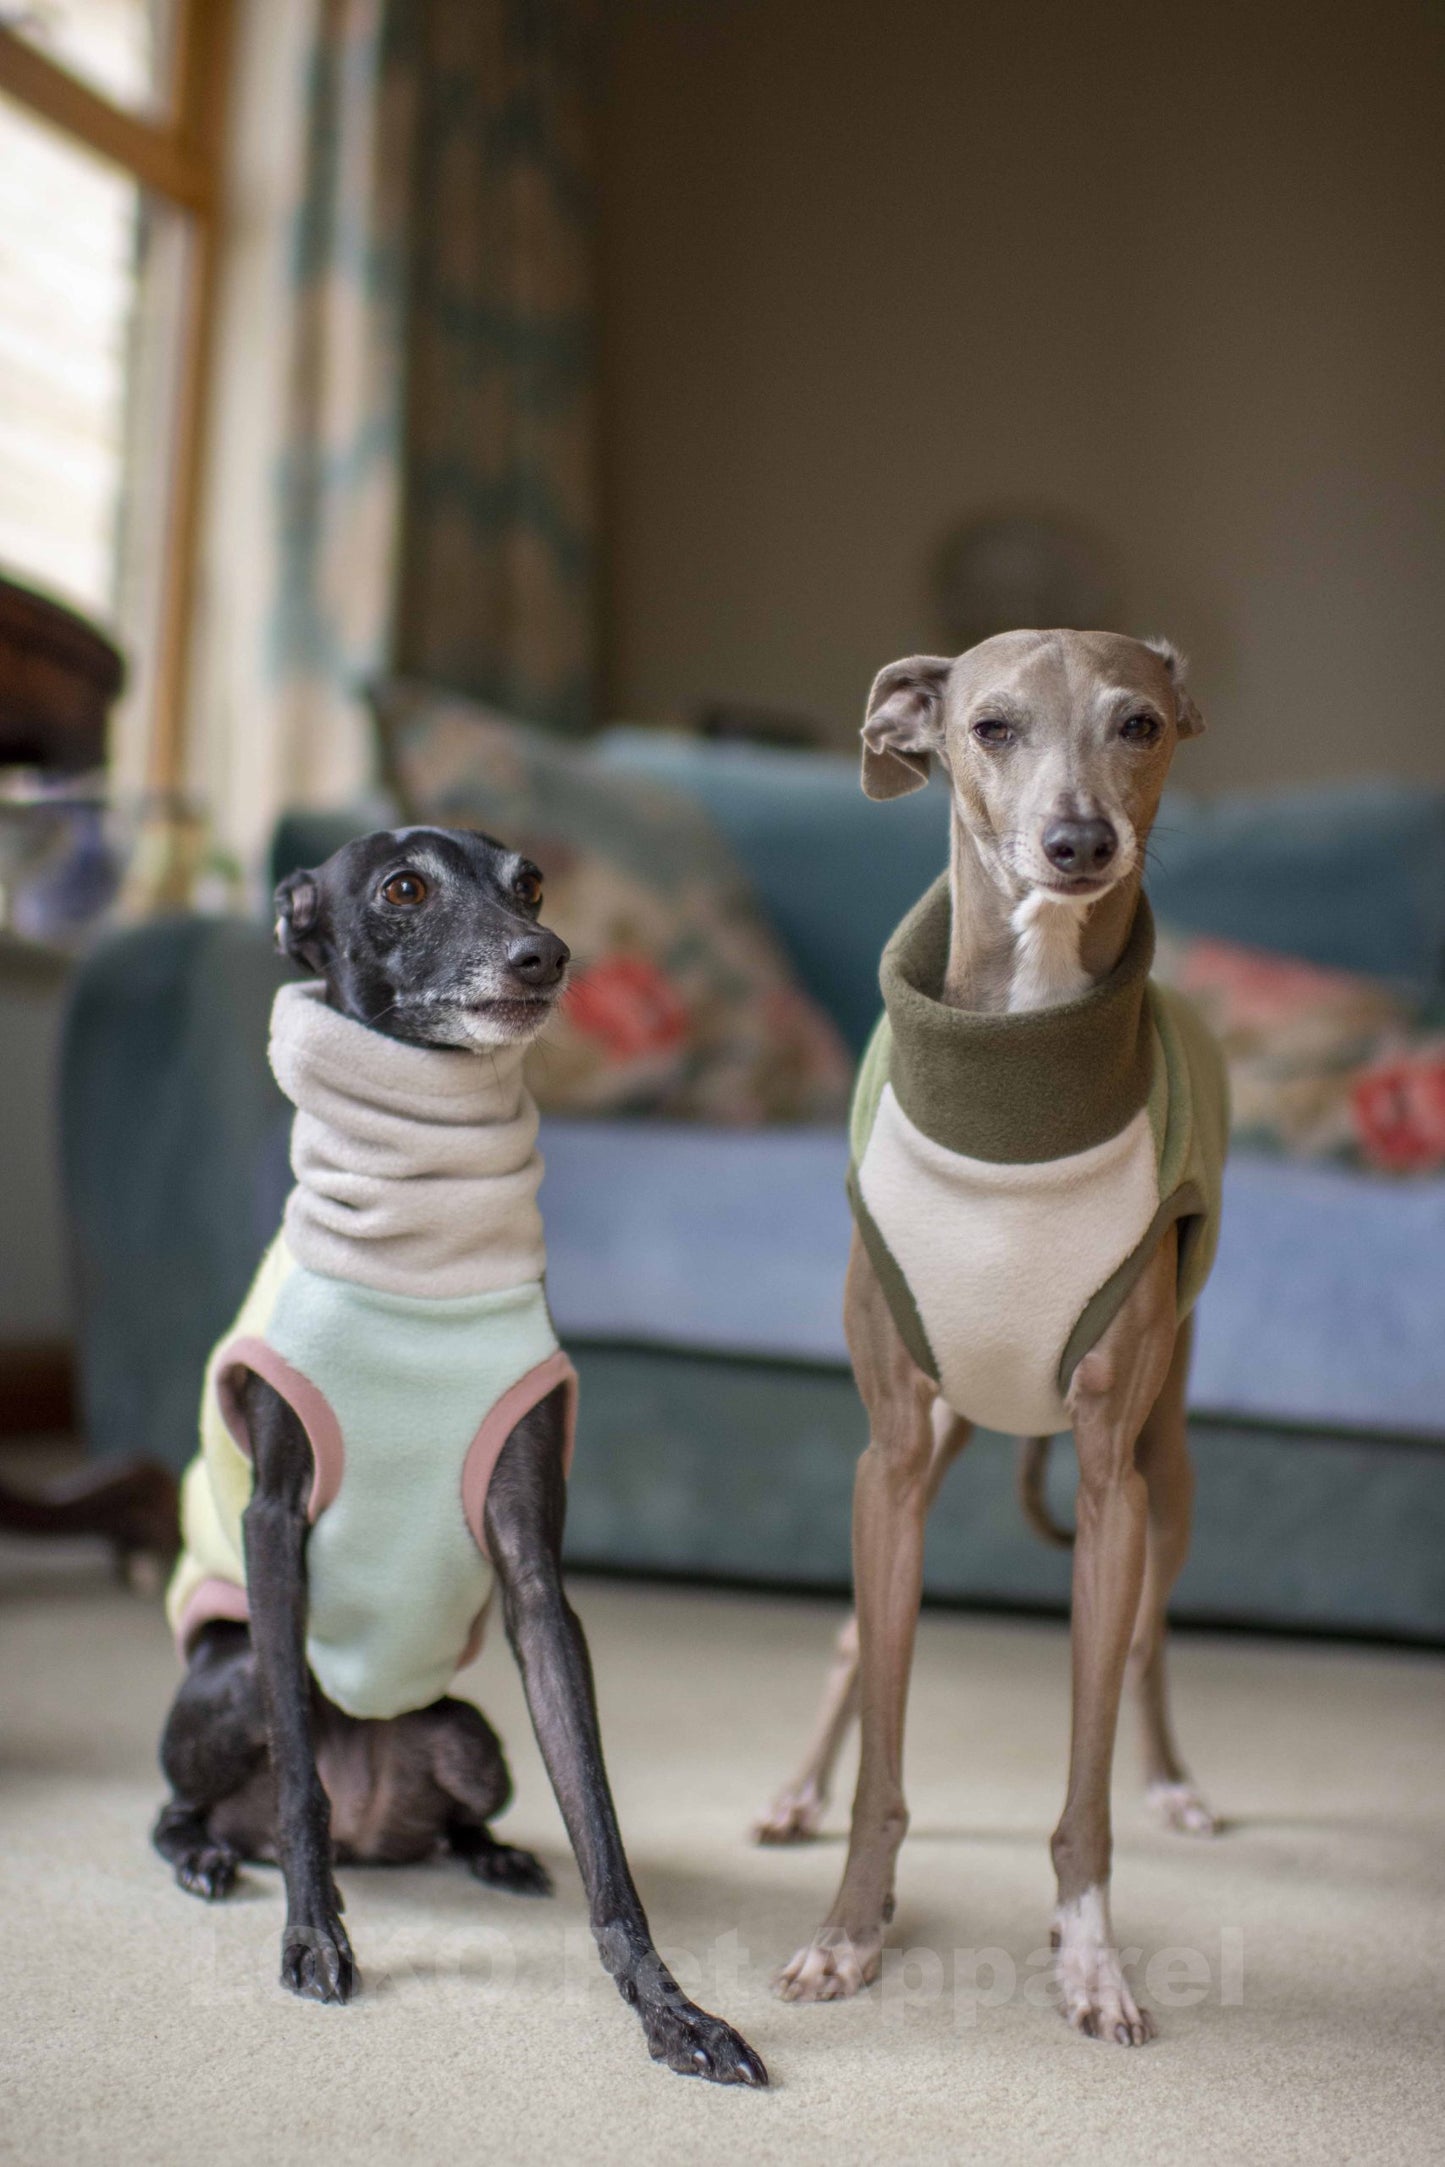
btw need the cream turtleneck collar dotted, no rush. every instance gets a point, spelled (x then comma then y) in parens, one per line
(416, 1167)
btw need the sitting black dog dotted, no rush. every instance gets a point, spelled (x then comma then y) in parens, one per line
(387, 1423)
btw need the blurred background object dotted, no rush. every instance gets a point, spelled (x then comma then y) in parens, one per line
(1023, 568)
(59, 676)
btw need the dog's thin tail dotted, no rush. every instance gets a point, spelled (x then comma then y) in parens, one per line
(1032, 1468)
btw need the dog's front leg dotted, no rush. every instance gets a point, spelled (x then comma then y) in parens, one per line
(316, 1957)
(890, 1508)
(525, 1510)
(1113, 1389)
(796, 1813)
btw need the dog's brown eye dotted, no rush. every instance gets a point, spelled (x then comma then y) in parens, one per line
(1140, 729)
(992, 730)
(407, 889)
(527, 887)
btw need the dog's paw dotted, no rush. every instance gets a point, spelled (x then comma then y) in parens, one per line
(209, 1872)
(1093, 1991)
(695, 2044)
(503, 1866)
(834, 1966)
(795, 1816)
(317, 1963)
(1180, 1806)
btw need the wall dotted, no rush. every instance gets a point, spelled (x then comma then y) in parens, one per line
(1175, 269)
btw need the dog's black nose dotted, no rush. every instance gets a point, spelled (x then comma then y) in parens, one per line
(1080, 846)
(538, 958)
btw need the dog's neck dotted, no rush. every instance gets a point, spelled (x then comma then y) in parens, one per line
(1006, 955)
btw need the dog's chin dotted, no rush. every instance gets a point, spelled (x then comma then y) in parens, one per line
(510, 1021)
(1060, 888)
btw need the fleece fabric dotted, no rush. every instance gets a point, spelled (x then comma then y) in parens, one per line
(401, 1313)
(1012, 1174)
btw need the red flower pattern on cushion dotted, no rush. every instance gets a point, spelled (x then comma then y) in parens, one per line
(1256, 989)
(1399, 1111)
(628, 1006)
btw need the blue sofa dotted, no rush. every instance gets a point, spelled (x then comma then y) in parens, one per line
(697, 1273)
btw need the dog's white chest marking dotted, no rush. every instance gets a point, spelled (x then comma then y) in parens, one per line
(1047, 969)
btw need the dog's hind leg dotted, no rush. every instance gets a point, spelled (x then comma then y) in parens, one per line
(797, 1811)
(1110, 1397)
(890, 1507)
(469, 1766)
(212, 1747)
(1163, 1460)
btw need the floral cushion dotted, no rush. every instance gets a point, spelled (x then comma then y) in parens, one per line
(1322, 1064)
(681, 1000)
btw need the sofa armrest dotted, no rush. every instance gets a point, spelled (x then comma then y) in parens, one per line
(173, 1148)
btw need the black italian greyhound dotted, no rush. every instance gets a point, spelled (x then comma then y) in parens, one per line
(430, 936)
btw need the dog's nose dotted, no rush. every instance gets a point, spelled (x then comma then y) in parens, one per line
(538, 958)
(1080, 846)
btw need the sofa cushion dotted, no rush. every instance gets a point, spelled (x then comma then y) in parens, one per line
(1322, 1064)
(1349, 875)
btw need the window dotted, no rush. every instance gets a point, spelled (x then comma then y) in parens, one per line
(110, 169)
(70, 274)
(122, 48)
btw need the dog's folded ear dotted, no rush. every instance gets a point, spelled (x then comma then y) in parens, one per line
(298, 919)
(1187, 718)
(903, 728)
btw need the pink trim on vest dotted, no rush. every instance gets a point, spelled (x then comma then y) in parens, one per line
(213, 1598)
(485, 1448)
(311, 1407)
(475, 1637)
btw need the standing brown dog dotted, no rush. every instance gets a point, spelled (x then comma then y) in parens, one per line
(1037, 1141)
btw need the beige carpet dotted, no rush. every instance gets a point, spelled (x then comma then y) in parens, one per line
(138, 2026)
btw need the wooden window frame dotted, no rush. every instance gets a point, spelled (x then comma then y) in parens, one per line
(179, 156)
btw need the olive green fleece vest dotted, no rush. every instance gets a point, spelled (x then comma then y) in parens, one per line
(1012, 1174)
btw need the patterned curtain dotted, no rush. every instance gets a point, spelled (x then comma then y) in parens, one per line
(496, 594)
(403, 476)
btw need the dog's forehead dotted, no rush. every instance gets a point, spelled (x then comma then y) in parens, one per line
(461, 852)
(1063, 669)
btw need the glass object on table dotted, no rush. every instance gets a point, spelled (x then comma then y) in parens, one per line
(59, 860)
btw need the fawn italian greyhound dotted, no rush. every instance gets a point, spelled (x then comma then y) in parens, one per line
(1037, 1141)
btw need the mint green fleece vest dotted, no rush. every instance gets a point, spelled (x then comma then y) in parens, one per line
(401, 1313)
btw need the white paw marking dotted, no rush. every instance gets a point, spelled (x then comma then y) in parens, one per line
(1095, 1994)
(795, 1816)
(833, 1967)
(1180, 1806)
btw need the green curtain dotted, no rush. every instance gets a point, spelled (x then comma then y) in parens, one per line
(437, 485)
